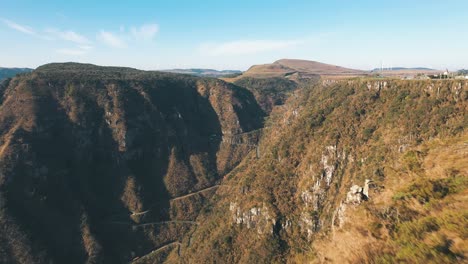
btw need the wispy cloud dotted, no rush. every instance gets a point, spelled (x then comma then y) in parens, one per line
(50, 34)
(246, 47)
(125, 37)
(111, 39)
(69, 35)
(18, 27)
(242, 47)
(78, 51)
(120, 39)
(145, 32)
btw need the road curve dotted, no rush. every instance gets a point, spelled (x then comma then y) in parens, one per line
(156, 251)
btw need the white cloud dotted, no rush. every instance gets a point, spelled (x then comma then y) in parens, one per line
(145, 32)
(78, 51)
(69, 35)
(18, 27)
(111, 39)
(135, 34)
(242, 47)
(75, 37)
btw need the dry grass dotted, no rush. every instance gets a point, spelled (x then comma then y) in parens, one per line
(362, 241)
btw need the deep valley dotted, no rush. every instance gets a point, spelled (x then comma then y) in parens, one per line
(117, 165)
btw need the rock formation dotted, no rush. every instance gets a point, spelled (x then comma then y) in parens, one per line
(357, 194)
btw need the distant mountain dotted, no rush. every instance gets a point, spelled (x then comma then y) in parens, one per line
(317, 67)
(11, 72)
(271, 84)
(205, 72)
(292, 67)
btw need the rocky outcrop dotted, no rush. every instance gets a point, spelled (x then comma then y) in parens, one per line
(357, 194)
(339, 216)
(258, 218)
(328, 162)
(309, 222)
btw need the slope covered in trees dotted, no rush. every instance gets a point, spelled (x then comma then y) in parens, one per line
(110, 165)
(93, 159)
(269, 92)
(294, 204)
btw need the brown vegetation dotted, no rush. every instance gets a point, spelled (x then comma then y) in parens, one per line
(83, 148)
(115, 164)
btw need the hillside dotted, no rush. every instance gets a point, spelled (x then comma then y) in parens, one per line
(272, 84)
(269, 92)
(291, 68)
(11, 72)
(118, 165)
(97, 163)
(296, 203)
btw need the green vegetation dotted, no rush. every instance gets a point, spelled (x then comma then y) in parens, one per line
(93, 158)
(106, 164)
(381, 134)
(462, 72)
(269, 92)
(11, 72)
(425, 190)
(429, 223)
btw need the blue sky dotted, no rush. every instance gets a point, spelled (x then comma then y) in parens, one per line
(234, 34)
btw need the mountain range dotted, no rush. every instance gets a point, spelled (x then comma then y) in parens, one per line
(290, 162)
(11, 72)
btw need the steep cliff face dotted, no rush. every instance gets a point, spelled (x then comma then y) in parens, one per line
(357, 171)
(109, 165)
(269, 92)
(98, 164)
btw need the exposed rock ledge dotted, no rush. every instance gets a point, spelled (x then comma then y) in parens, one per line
(357, 194)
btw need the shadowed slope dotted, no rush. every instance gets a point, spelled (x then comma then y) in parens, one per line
(82, 145)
